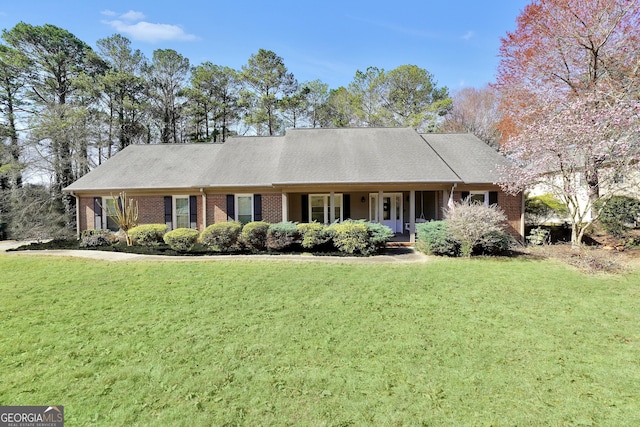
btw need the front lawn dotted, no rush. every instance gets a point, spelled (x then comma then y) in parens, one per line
(448, 342)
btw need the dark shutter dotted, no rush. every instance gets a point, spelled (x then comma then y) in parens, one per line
(304, 201)
(168, 212)
(346, 208)
(193, 212)
(97, 213)
(257, 207)
(464, 195)
(231, 211)
(493, 198)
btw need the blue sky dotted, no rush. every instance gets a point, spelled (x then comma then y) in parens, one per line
(457, 41)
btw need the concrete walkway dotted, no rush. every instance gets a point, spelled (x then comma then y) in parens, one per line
(392, 255)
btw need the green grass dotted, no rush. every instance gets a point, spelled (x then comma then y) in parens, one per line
(449, 342)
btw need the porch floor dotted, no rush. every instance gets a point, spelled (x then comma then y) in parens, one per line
(400, 239)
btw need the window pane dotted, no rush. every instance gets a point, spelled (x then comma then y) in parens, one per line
(245, 209)
(337, 200)
(182, 212)
(317, 208)
(111, 213)
(477, 198)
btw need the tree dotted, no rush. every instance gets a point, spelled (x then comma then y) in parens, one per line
(475, 111)
(269, 82)
(412, 98)
(588, 138)
(339, 109)
(213, 95)
(122, 92)
(366, 97)
(166, 78)
(56, 59)
(568, 77)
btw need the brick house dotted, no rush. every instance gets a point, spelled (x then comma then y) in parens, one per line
(391, 175)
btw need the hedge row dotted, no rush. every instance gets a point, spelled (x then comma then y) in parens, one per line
(352, 237)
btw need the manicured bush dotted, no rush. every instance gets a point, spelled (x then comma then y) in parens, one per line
(148, 234)
(494, 243)
(619, 214)
(222, 236)
(181, 239)
(434, 238)
(282, 235)
(254, 235)
(314, 234)
(379, 235)
(352, 237)
(96, 238)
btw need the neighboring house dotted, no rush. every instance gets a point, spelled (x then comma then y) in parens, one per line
(391, 175)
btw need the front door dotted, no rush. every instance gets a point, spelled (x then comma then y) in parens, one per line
(391, 210)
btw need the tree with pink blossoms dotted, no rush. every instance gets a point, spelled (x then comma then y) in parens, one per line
(574, 151)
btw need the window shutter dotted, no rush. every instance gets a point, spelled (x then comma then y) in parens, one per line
(231, 211)
(193, 212)
(464, 195)
(97, 213)
(346, 206)
(304, 201)
(493, 198)
(257, 207)
(168, 212)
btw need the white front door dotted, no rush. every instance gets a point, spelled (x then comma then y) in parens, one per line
(391, 210)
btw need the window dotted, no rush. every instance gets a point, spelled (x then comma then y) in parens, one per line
(181, 211)
(479, 197)
(109, 213)
(244, 210)
(320, 205)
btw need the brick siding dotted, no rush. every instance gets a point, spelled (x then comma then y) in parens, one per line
(272, 208)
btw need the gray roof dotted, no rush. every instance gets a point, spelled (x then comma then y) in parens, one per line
(365, 155)
(302, 156)
(472, 160)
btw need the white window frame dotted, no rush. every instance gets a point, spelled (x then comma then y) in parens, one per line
(174, 211)
(105, 216)
(237, 205)
(326, 197)
(484, 193)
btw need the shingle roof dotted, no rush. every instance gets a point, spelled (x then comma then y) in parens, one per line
(302, 156)
(472, 160)
(366, 155)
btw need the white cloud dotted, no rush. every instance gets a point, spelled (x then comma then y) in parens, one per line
(133, 16)
(131, 24)
(108, 12)
(468, 35)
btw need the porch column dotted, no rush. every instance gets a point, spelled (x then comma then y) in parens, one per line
(204, 209)
(285, 207)
(412, 216)
(380, 207)
(332, 208)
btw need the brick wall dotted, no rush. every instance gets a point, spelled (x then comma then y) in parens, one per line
(86, 213)
(272, 208)
(216, 208)
(151, 209)
(512, 206)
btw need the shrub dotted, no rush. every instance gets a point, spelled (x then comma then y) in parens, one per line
(222, 236)
(379, 234)
(282, 235)
(254, 235)
(148, 234)
(352, 237)
(96, 238)
(539, 236)
(472, 223)
(434, 238)
(494, 243)
(543, 208)
(618, 214)
(314, 234)
(181, 239)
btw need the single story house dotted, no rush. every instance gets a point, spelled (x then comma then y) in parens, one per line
(396, 176)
